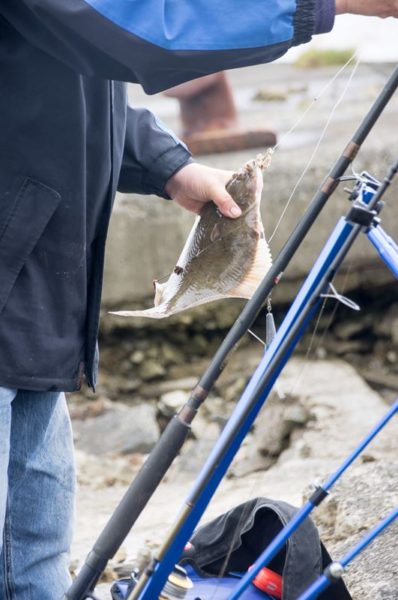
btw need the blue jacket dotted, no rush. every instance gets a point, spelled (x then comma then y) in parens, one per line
(68, 141)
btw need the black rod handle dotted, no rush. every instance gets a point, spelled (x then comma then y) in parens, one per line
(131, 505)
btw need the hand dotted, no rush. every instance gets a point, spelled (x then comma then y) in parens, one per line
(375, 8)
(195, 184)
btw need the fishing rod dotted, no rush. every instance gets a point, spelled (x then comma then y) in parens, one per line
(317, 497)
(388, 252)
(362, 214)
(157, 464)
(336, 569)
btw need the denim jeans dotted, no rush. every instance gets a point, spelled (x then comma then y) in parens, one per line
(37, 484)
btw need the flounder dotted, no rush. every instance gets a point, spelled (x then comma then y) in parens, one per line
(222, 257)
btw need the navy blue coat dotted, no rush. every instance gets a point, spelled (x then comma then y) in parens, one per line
(68, 141)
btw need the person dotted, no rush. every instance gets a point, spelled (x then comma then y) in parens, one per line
(68, 142)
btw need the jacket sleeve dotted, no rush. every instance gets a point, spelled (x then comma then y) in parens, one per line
(161, 43)
(152, 154)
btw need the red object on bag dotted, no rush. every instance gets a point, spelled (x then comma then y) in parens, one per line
(270, 582)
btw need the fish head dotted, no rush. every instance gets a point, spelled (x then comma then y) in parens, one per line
(246, 186)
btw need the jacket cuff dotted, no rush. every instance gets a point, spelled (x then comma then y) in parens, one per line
(164, 167)
(324, 16)
(312, 17)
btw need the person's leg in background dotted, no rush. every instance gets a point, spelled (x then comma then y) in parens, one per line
(41, 484)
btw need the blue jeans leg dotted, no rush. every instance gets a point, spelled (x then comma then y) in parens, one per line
(6, 397)
(39, 512)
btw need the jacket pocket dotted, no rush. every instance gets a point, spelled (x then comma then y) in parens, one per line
(31, 210)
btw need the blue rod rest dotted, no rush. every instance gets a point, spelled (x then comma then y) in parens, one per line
(386, 247)
(247, 409)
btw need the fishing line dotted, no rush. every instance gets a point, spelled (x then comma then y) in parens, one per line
(335, 307)
(323, 132)
(304, 368)
(257, 338)
(315, 99)
(312, 349)
(314, 152)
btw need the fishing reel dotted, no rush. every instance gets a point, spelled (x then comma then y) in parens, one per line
(365, 186)
(185, 583)
(177, 586)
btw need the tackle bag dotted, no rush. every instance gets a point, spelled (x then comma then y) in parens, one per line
(232, 542)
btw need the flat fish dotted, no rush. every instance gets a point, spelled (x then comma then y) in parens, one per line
(222, 257)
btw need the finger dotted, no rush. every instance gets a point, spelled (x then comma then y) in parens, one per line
(226, 205)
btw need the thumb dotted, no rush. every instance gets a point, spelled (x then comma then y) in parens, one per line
(225, 203)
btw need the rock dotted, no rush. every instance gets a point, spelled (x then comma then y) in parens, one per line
(114, 385)
(129, 385)
(152, 369)
(137, 357)
(97, 473)
(120, 429)
(171, 402)
(216, 410)
(200, 343)
(84, 409)
(272, 432)
(188, 463)
(387, 325)
(361, 499)
(249, 460)
(171, 354)
(277, 421)
(153, 351)
(202, 428)
(156, 390)
(394, 332)
(235, 389)
(341, 347)
(381, 379)
(347, 329)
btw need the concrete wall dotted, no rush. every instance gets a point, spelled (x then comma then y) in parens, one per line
(147, 233)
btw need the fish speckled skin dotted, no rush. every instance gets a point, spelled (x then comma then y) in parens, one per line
(222, 257)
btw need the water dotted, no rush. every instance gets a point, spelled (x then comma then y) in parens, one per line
(375, 39)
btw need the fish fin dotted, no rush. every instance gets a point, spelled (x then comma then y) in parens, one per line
(153, 313)
(261, 265)
(163, 310)
(159, 288)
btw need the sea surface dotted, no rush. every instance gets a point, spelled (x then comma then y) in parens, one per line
(376, 40)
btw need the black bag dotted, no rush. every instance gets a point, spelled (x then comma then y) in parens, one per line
(233, 541)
